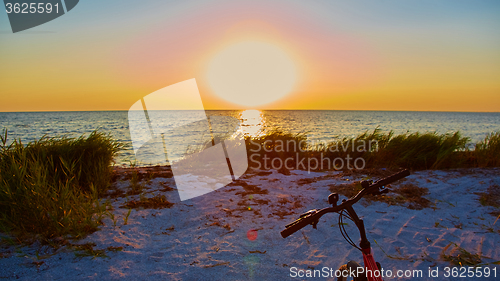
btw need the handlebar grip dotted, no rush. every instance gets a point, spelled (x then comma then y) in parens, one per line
(296, 226)
(393, 178)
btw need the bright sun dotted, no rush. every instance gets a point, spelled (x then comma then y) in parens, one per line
(251, 73)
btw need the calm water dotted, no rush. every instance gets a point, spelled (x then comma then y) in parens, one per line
(320, 126)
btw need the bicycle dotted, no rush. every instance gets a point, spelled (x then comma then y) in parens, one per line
(371, 270)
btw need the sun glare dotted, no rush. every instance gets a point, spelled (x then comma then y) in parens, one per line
(252, 122)
(251, 73)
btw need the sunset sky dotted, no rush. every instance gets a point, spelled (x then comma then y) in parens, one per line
(339, 55)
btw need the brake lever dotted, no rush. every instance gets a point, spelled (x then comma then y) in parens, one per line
(381, 191)
(314, 223)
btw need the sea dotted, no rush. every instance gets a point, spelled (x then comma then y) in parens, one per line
(320, 126)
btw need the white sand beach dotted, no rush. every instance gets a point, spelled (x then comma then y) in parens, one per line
(234, 233)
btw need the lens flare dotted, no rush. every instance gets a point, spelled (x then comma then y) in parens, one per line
(252, 234)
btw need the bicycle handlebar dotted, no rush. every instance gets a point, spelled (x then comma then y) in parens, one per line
(313, 216)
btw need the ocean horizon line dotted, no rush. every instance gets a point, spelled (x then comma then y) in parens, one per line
(340, 110)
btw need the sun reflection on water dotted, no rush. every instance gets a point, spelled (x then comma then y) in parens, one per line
(252, 122)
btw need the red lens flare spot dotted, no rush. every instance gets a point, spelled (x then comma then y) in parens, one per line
(252, 234)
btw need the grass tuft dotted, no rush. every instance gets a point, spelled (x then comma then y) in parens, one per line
(50, 187)
(488, 151)
(420, 151)
(417, 151)
(460, 257)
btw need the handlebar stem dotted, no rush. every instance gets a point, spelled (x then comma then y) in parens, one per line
(364, 243)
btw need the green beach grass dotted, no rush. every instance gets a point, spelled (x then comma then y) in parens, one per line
(487, 152)
(417, 151)
(50, 188)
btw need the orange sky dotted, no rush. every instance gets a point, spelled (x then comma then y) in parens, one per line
(444, 57)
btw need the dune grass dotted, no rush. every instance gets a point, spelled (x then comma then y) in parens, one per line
(417, 151)
(50, 187)
(487, 152)
(420, 151)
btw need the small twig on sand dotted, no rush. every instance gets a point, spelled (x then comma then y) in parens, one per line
(257, 251)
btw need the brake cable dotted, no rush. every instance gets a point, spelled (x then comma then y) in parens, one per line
(343, 231)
